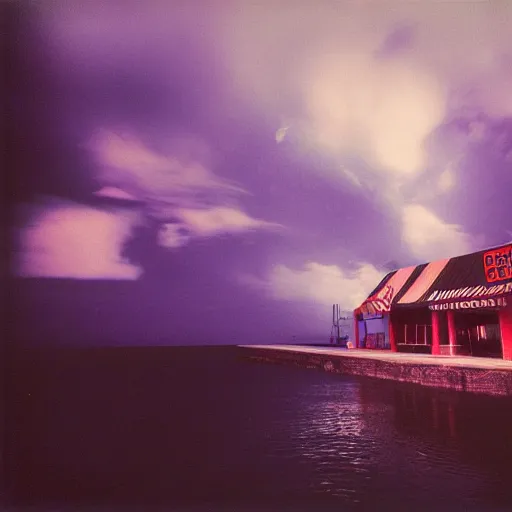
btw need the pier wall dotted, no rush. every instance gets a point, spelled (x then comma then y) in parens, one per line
(475, 380)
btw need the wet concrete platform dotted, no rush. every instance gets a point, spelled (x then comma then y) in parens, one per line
(472, 374)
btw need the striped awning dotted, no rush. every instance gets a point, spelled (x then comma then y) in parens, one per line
(382, 298)
(483, 276)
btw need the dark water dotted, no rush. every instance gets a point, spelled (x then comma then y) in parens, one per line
(201, 428)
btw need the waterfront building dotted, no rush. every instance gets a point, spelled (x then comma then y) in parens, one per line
(455, 306)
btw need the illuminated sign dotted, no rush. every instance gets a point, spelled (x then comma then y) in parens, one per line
(498, 264)
(471, 304)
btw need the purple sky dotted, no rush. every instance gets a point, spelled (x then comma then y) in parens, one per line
(271, 157)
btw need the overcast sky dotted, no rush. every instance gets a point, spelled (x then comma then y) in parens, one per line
(272, 157)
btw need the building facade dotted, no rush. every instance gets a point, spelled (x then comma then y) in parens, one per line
(456, 306)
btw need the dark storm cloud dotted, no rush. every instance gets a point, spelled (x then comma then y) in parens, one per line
(272, 141)
(73, 73)
(475, 150)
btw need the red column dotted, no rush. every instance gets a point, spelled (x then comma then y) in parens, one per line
(505, 316)
(436, 350)
(391, 331)
(452, 333)
(356, 329)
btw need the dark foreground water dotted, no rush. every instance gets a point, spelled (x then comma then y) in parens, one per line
(203, 429)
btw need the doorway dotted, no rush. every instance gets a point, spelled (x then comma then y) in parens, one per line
(478, 333)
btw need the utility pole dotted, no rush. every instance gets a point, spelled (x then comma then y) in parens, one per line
(336, 327)
(338, 324)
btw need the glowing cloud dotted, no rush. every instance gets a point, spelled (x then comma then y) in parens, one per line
(115, 193)
(429, 238)
(126, 162)
(195, 223)
(321, 284)
(220, 220)
(68, 240)
(179, 189)
(380, 110)
(348, 98)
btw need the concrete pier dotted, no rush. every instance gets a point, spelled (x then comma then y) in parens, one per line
(472, 374)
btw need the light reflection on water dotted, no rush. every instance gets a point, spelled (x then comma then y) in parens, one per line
(338, 448)
(139, 426)
(361, 437)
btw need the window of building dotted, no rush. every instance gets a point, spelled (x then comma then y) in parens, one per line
(418, 334)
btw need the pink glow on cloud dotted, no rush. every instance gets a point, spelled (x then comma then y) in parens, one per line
(218, 220)
(178, 188)
(381, 108)
(115, 193)
(366, 129)
(209, 222)
(74, 241)
(319, 284)
(125, 160)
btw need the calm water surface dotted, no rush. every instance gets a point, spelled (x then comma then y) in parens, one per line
(204, 428)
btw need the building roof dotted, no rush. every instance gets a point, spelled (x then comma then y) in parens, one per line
(485, 274)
